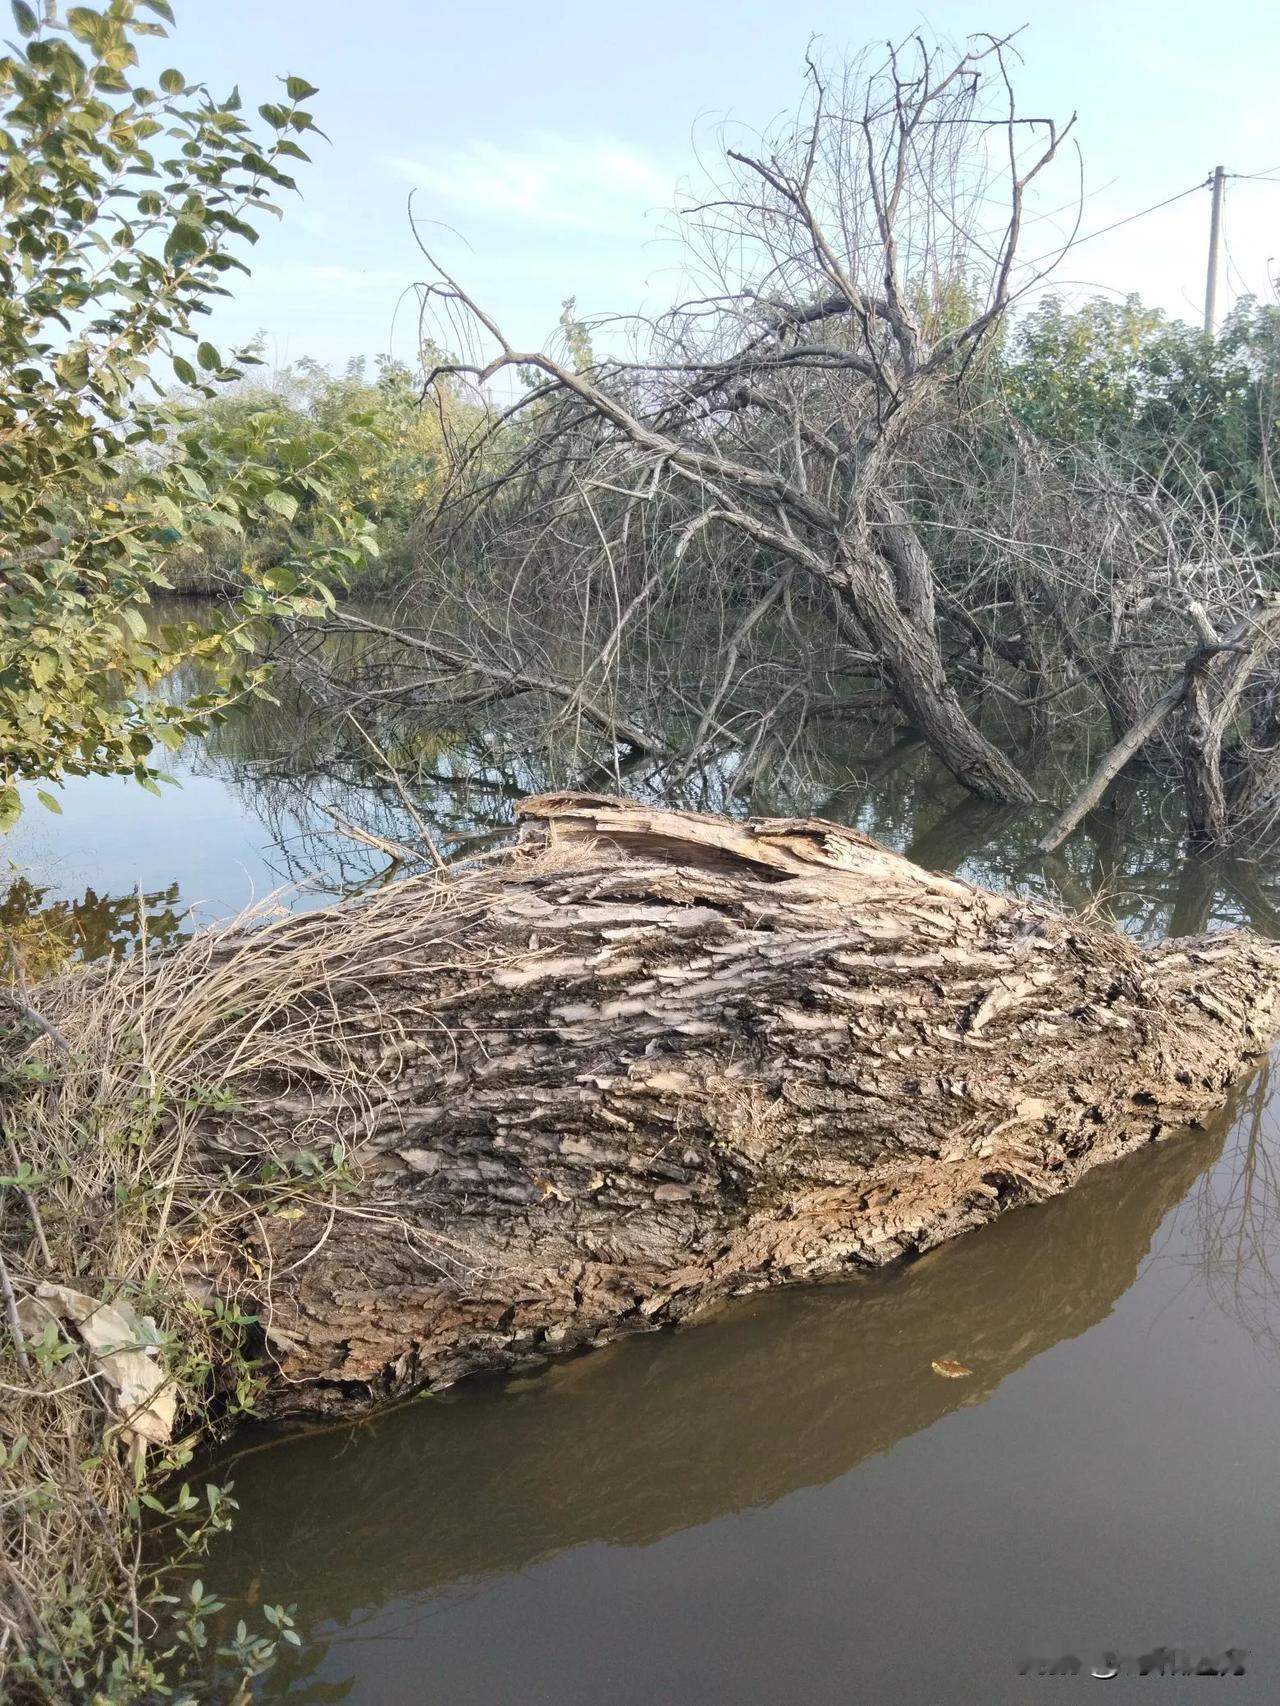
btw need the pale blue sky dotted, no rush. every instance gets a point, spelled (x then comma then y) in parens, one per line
(551, 135)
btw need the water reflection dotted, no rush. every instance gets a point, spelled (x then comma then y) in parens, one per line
(49, 930)
(1126, 862)
(270, 799)
(1237, 1206)
(374, 1531)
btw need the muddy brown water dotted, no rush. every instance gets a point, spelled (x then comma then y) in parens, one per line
(783, 1503)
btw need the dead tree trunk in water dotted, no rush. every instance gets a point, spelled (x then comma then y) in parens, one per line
(777, 419)
(1231, 783)
(655, 1059)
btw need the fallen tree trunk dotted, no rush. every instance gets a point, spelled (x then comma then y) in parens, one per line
(653, 1059)
(640, 1062)
(839, 1374)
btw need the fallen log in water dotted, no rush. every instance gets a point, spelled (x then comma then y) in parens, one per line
(654, 1059)
(640, 1062)
(771, 1399)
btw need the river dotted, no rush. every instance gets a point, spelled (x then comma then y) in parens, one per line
(784, 1503)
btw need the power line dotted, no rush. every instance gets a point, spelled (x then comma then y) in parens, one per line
(1205, 183)
(1219, 181)
(1102, 230)
(1215, 181)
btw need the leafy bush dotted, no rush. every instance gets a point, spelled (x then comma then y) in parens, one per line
(395, 456)
(121, 208)
(1185, 409)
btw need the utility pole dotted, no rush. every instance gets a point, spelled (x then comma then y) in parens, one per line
(1215, 232)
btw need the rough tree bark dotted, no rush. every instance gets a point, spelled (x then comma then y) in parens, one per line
(840, 1375)
(910, 660)
(654, 1059)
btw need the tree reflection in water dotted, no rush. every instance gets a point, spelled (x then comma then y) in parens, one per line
(297, 772)
(47, 930)
(1237, 1210)
(1128, 859)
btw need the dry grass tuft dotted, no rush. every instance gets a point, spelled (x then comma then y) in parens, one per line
(112, 1078)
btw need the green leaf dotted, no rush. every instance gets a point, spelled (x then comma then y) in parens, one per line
(172, 81)
(86, 25)
(208, 357)
(183, 368)
(298, 89)
(161, 8)
(283, 503)
(44, 666)
(48, 801)
(188, 237)
(25, 18)
(10, 806)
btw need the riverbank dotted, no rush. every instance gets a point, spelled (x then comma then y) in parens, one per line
(128, 1334)
(306, 1163)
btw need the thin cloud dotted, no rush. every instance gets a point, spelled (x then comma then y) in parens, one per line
(565, 183)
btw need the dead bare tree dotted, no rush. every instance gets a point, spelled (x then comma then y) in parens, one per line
(848, 274)
(800, 494)
(1082, 585)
